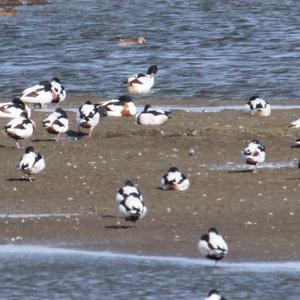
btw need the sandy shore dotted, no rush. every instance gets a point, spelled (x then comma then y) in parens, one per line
(257, 213)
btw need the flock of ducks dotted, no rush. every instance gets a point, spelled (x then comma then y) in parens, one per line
(129, 200)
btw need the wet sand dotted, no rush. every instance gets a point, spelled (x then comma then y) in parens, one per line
(257, 213)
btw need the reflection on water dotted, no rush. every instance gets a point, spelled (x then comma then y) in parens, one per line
(204, 49)
(44, 273)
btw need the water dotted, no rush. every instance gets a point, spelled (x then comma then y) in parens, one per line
(44, 273)
(213, 49)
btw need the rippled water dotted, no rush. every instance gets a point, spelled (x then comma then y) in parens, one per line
(43, 273)
(207, 49)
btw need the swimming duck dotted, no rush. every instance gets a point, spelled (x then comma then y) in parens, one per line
(88, 116)
(142, 83)
(126, 190)
(258, 106)
(31, 163)
(14, 109)
(151, 116)
(212, 245)
(132, 208)
(214, 295)
(174, 180)
(20, 128)
(136, 40)
(123, 107)
(295, 124)
(254, 153)
(45, 92)
(57, 123)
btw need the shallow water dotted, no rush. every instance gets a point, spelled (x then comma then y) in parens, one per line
(205, 49)
(45, 273)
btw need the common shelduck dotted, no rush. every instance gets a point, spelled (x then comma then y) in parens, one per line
(258, 106)
(254, 153)
(150, 116)
(31, 163)
(295, 124)
(214, 295)
(14, 109)
(45, 92)
(212, 245)
(123, 107)
(130, 41)
(88, 116)
(132, 208)
(142, 83)
(126, 190)
(57, 123)
(174, 180)
(20, 128)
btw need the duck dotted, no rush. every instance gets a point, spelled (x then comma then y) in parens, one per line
(254, 153)
(258, 106)
(57, 123)
(128, 188)
(88, 117)
(9, 11)
(142, 83)
(31, 163)
(45, 92)
(295, 124)
(20, 128)
(214, 295)
(130, 41)
(123, 107)
(212, 245)
(14, 109)
(132, 208)
(151, 116)
(174, 180)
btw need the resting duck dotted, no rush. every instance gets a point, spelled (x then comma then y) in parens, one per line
(258, 106)
(123, 107)
(136, 40)
(88, 116)
(132, 208)
(126, 190)
(142, 83)
(294, 124)
(151, 116)
(45, 92)
(57, 123)
(14, 109)
(20, 128)
(254, 153)
(212, 245)
(31, 163)
(174, 180)
(214, 295)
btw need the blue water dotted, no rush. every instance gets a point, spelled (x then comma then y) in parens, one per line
(45, 273)
(206, 49)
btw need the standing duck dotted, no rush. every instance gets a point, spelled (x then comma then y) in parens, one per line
(20, 128)
(31, 163)
(174, 180)
(254, 153)
(258, 107)
(151, 116)
(57, 123)
(123, 107)
(142, 83)
(14, 109)
(214, 295)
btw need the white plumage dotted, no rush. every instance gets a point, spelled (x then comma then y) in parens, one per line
(44, 93)
(14, 109)
(126, 190)
(142, 83)
(123, 107)
(254, 153)
(295, 124)
(174, 180)
(214, 295)
(88, 116)
(212, 245)
(57, 123)
(31, 163)
(151, 116)
(258, 106)
(20, 128)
